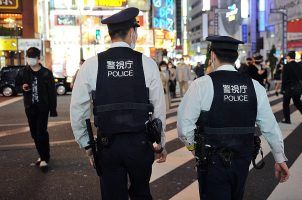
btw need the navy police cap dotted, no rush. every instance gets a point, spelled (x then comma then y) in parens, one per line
(122, 20)
(224, 42)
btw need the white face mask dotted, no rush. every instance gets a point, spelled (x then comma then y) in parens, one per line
(32, 61)
(163, 68)
(133, 41)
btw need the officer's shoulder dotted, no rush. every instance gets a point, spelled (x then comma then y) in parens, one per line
(90, 62)
(203, 81)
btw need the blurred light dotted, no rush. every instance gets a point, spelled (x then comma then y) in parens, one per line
(261, 5)
(231, 15)
(185, 8)
(198, 49)
(244, 9)
(206, 5)
(262, 21)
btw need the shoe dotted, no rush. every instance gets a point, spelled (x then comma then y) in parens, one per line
(43, 164)
(286, 122)
(38, 162)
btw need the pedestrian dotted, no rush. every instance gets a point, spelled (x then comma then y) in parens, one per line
(257, 62)
(122, 84)
(165, 77)
(251, 70)
(75, 75)
(40, 100)
(199, 70)
(277, 76)
(172, 82)
(225, 105)
(291, 85)
(266, 75)
(183, 76)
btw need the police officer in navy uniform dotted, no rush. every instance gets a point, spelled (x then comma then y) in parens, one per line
(123, 83)
(228, 104)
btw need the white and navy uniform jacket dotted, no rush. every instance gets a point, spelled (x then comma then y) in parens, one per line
(199, 98)
(80, 106)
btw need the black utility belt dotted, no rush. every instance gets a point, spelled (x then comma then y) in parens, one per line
(106, 140)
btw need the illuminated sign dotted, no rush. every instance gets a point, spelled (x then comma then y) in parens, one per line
(233, 10)
(163, 14)
(108, 3)
(244, 9)
(66, 20)
(206, 5)
(24, 44)
(10, 5)
(8, 44)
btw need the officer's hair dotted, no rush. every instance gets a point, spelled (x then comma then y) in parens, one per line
(122, 33)
(226, 56)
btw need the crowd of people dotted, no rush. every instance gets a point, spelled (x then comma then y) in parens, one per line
(179, 75)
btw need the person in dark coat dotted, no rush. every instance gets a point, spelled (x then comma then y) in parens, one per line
(291, 85)
(277, 76)
(40, 101)
(251, 70)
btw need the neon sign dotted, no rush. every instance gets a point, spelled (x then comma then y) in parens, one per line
(231, 15)
(163, 14)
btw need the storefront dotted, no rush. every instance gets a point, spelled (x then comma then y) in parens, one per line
(76, 31)
(294, 28)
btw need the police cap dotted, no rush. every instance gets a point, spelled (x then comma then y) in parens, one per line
(122, 20)
(223, 42)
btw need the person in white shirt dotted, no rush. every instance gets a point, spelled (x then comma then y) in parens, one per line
(216, 121)
(123, 84)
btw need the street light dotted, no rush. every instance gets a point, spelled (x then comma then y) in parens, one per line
(284, 27)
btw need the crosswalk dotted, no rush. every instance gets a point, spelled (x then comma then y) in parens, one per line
(176, 179)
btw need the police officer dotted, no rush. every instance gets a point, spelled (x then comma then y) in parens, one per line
(125, 83)
(228, 104)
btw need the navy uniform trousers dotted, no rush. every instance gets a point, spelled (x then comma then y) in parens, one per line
(128, 155)
(224, 183)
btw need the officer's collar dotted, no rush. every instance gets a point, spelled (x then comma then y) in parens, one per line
(226, 68)
(119, 44)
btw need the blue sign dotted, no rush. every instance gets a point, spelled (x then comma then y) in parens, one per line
(244, 33)
(163, 14)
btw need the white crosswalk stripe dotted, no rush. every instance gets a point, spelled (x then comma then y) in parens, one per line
(181, 155)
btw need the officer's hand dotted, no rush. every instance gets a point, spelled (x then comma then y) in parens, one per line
(281, 172)
(90, 156)
(193, 152)
(161, 157)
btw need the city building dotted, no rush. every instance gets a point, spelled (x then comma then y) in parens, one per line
(285, 20)
(18, 30)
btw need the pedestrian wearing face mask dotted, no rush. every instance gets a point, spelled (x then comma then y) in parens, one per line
(165, 77)
(40, 101)
(183, 76)
(172, 82)
(126, 91)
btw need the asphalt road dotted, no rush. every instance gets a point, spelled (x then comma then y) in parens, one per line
(71, 177)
